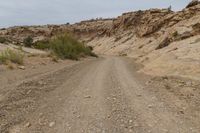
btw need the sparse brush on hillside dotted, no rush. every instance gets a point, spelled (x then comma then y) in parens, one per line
(28, 42)
(2, 39)
(66, 47)
(12, 56)
(43, 45)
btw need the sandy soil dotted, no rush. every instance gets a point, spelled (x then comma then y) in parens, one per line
(104, 95)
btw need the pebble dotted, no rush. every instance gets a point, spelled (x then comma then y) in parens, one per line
(40, 122)
(21, 67)
(51, 124)
(150, 106)
(28, 124)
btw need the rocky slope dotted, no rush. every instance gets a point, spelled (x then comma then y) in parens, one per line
(165, 42)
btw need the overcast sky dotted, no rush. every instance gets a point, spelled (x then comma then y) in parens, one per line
(39, 12)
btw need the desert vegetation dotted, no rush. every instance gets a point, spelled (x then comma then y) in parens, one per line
(42, 45)
(2, 39)
(28, 42)
(65, 47)
(11, 56)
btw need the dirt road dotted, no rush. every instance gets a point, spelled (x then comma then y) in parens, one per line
(103, 95)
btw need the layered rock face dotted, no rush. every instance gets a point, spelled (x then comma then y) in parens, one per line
(165, 42)
(193, 3)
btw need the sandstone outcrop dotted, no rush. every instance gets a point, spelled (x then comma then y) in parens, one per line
(193, 3)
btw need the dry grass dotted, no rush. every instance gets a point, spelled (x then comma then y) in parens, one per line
(12, 56)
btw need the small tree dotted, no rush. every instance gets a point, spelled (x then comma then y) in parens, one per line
(28, 42)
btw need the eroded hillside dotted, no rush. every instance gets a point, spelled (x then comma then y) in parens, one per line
(165, 42)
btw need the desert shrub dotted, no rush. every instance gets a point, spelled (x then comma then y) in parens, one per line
(164, 43)
(175, 34)
(63, 47)
(66, 47)
(43, 45)
(12, 56)
(2, 39)
(28, 42)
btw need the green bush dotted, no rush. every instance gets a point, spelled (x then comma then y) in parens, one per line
(2, 39)
(28, 42)
(11, 55)
(43, 45)
(65, 47)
